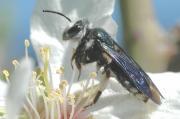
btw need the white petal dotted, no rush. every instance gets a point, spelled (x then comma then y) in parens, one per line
(18, 84)
(46, 29)
(168, 84)
(124, 105)
(108, 24)
(104, 116)
(3, 90)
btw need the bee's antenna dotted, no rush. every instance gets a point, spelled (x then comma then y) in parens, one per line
(58, 14)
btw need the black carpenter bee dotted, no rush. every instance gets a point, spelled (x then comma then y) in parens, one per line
(96, 45)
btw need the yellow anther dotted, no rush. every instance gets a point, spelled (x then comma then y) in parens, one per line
(34, 74)
(93, 75)
(53, 94)
(45, 52)
(58, 94)
(58, 91)
(26, 43)
(6, 74)
(60, 70)
(42, 53)
(15, 62)
(63, 84)
(71, 99)
(46, 49)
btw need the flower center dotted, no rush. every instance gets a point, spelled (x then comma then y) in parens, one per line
(44, 102)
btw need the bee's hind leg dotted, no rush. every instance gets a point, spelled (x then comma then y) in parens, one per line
(104, 78)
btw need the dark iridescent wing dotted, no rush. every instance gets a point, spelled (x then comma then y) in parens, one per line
(133, 71)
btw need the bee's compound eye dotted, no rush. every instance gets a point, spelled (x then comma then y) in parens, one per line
(74, 30)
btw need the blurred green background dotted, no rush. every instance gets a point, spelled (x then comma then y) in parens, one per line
(15, 18)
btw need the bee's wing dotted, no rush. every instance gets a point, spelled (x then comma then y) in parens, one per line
(133, 71)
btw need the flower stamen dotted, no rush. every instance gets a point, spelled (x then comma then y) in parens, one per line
(33, 108)
(27, 44)
(72, 103)
(45, 53)
(62, 87)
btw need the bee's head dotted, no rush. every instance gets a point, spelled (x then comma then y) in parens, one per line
(76, 31)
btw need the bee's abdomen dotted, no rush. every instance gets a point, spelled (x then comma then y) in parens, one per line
(127, 84)
(132, 89)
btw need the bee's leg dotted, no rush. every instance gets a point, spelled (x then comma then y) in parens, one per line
(97, 97)
(104, 78)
